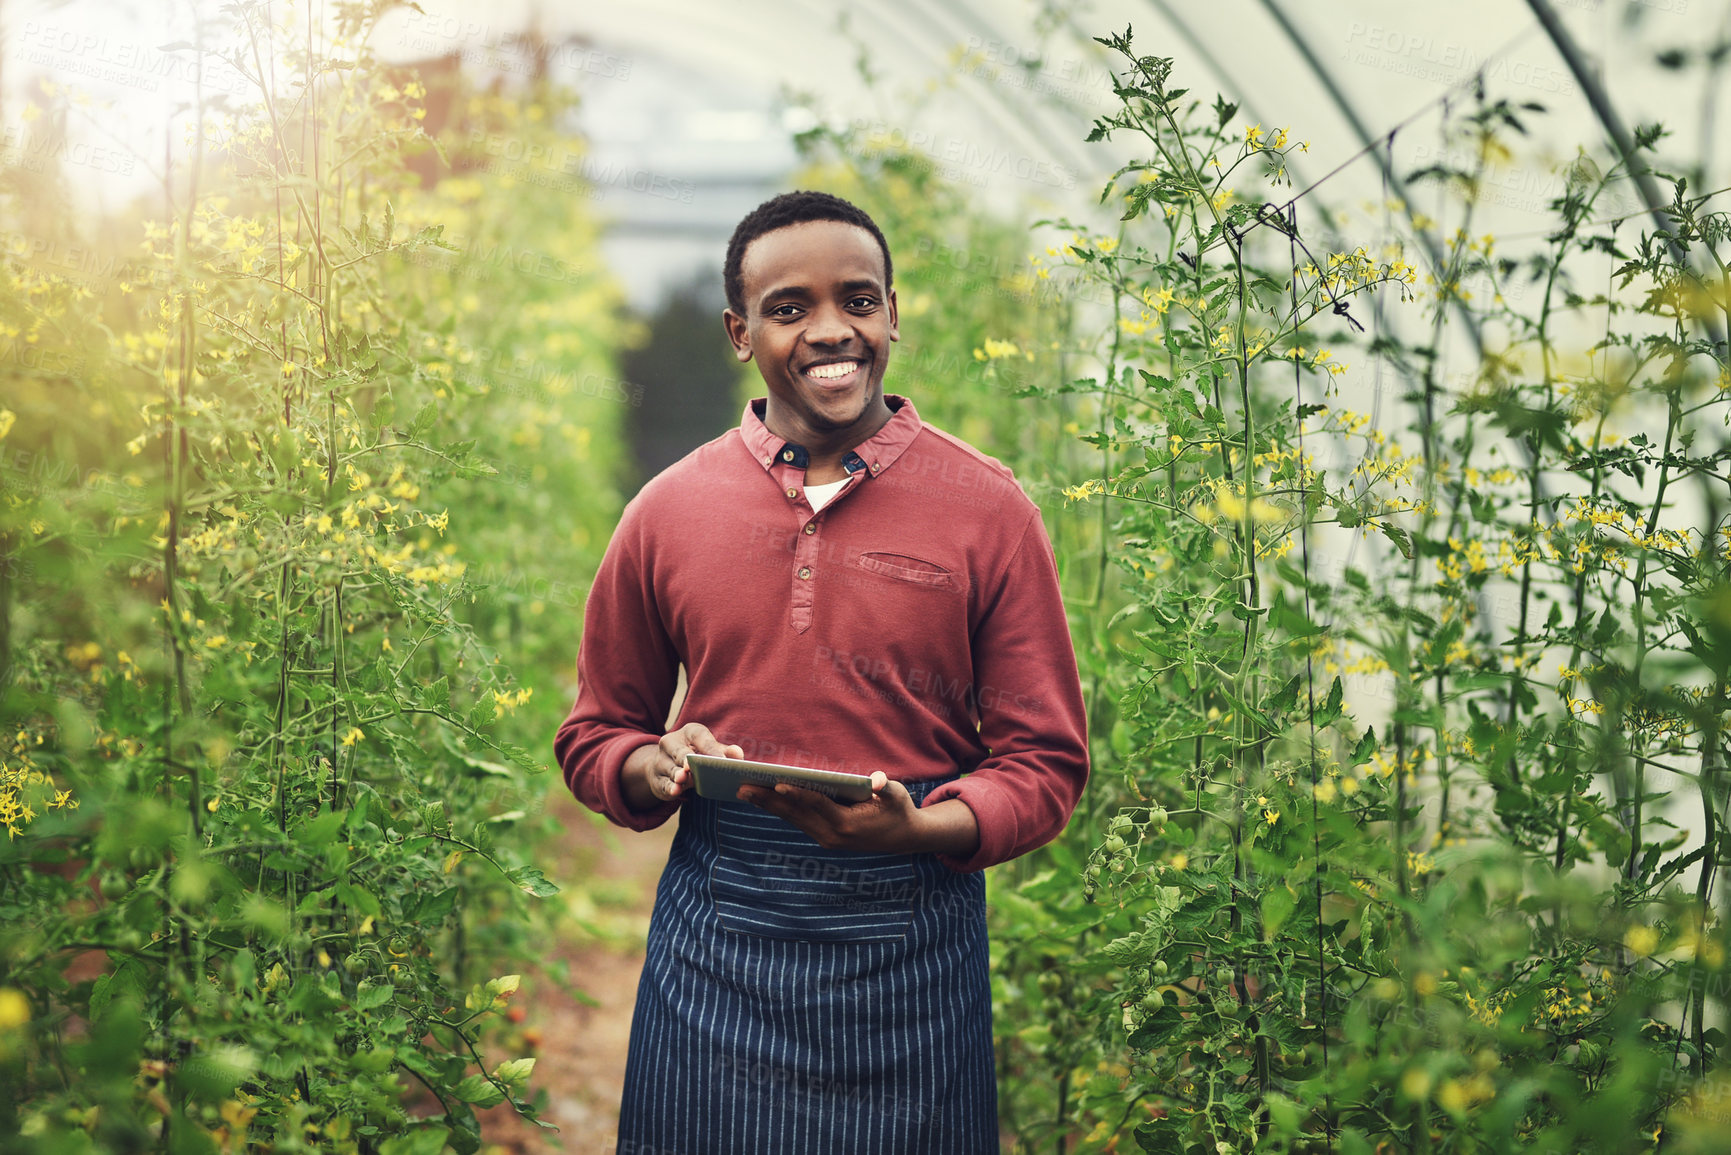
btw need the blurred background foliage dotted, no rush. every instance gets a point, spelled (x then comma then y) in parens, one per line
(1407, 822)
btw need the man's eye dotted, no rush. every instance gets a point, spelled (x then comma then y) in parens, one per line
(864, 302)
(784, 310)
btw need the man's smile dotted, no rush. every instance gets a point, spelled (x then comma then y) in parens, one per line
(834, 374)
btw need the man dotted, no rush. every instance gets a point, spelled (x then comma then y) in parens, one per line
(849, 589)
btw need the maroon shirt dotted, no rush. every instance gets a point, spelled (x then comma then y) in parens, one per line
(913, 625)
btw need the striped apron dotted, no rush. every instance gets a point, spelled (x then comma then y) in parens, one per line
(797, 999)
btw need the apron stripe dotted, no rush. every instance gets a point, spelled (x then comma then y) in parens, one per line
(843, 1005)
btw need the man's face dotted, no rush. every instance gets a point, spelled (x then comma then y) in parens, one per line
(819, 322)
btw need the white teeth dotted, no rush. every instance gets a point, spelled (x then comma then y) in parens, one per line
(835, 369)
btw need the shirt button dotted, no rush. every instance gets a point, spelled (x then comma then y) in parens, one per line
(787, 455)
(793, 492)
(877, 465)
(811, 527)
(805, 571)
(768, 460)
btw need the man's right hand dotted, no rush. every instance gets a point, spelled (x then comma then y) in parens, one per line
(653, 775)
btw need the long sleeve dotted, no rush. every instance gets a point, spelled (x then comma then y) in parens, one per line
(627, 669)
(1032, 719)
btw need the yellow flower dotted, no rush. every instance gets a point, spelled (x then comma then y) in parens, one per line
(1084, 491)
(1641, 939)
(354, 735)
(14, 1009)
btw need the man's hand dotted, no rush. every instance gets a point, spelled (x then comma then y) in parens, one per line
(886, 823)
(656, 774)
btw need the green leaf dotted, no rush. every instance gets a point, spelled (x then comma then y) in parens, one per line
(1332, 707)
(1400, 537)
(424, 1141)
(370, 995)
(1161, 1138)
(533, 882)
(1125, 951)
(480, 1091)
(320, 829)
(1367, 745)
(424, 420)
(514, 1071)
(1278, 903)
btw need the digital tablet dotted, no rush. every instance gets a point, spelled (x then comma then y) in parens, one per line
(721, 778)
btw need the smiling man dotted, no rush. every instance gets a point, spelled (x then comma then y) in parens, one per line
(846, 588)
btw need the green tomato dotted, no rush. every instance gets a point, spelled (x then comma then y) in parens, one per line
(115, 885)
(1158, 967)
(1153, 1000)
(1157, 817)
(1114, 844)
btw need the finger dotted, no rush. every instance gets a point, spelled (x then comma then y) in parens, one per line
(896, 796)
(674, 747)
(768, 801)
(879, 780)
(819, 806)
(701, 741)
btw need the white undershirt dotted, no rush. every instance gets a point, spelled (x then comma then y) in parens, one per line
(819, 495)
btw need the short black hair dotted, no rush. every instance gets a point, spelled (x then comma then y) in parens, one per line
(794, 208)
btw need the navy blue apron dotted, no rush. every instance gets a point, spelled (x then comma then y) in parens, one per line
(797, 999)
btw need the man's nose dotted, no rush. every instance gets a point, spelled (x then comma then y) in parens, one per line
(829, 326)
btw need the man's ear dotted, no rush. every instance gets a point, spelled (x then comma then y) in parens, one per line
(737, 333)
(895, 334)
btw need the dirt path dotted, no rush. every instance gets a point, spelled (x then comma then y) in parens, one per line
(608, 877)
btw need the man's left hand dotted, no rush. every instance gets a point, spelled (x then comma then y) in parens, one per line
(886, 823)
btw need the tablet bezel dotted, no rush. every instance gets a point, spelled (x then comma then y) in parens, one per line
(836, 784)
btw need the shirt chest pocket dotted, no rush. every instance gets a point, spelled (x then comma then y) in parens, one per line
(912, 571)
(771, 879)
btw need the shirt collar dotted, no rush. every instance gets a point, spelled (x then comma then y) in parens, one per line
(873, 455)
